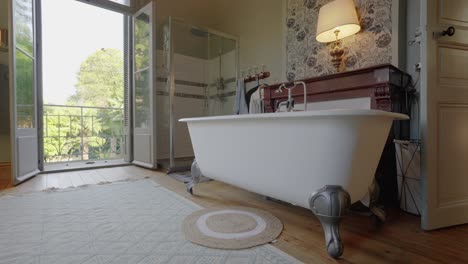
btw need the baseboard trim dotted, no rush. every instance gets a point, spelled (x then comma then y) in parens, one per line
(5, 164)
(5, 172)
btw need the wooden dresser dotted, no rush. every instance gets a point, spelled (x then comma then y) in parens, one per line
(383, 86)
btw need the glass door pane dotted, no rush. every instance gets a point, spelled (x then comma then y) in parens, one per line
(24, 60)
(24, 116)
(24, 24)
(144, 142)
(199, 70)
(142, 71)
(25, 101)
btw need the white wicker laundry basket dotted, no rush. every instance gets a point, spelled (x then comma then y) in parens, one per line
(408, 156)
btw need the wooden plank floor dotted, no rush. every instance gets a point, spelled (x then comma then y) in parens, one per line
(399, 240)
(5, 170)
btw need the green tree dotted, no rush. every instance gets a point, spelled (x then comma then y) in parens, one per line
(94, 132)
(75, 133)
(100, 80)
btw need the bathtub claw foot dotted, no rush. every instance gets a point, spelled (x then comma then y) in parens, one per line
(330, 204)
(190, 190)
(196, 176)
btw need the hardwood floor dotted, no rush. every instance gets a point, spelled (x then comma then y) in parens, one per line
(5, 169)
(399, 240)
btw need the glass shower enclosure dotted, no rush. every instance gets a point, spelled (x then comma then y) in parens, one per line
(196, 77)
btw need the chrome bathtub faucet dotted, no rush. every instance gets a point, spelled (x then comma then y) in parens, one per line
(290, 104)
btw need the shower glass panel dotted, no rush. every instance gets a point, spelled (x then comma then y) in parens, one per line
(196, 78)
(222, 75)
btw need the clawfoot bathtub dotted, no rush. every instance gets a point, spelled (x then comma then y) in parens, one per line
(321, 160)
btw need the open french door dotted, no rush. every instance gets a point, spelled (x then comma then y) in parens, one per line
(23, 90)
(144, 96)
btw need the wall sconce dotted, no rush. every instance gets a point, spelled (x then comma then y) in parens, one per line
(3, 38)
(337, 20)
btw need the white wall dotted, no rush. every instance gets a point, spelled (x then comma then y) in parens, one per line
(260, 25)
(4, 24)
(199, 12)
(4, 94)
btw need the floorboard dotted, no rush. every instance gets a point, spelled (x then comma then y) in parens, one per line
(52, 180)
(399, 240)
(76, 179)
(87, 178)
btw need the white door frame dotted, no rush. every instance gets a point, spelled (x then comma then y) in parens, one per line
(111, 5)
(144, 139)
(20, 134)
(39, 87)
(37, 46)
(107, 5)
(128, 90)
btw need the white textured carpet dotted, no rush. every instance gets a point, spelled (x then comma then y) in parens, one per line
(133, 222)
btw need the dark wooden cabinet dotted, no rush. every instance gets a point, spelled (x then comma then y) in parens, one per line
(385, 85)
(387, 88)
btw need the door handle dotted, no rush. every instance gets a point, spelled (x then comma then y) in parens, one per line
(450, 31)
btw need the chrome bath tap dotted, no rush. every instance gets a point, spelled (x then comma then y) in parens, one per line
(290, 102)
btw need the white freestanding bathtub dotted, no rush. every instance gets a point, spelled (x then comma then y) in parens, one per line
(322, 160)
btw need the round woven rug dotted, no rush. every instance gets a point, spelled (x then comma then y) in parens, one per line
(232, 228)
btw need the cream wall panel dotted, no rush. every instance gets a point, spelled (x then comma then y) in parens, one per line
(453, 12)
(4, 24)
(4, 93)
(26, 163)
(453, 63)
(453, 138)
(142, 143)
(453, 73)
(261, 28)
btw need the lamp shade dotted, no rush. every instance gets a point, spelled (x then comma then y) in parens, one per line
(338, 15)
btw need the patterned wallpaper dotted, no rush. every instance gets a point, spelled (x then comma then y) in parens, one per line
(308, 58)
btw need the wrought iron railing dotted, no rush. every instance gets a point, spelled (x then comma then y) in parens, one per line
(80, 133)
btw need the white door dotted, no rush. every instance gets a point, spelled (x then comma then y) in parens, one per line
(144, 123)
(444, 113)
(25, 157)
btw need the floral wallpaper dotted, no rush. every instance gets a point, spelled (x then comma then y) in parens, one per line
(308, 58)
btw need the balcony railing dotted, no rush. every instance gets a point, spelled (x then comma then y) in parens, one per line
(79, 133)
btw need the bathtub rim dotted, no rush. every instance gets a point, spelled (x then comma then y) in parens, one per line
(315, 113)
